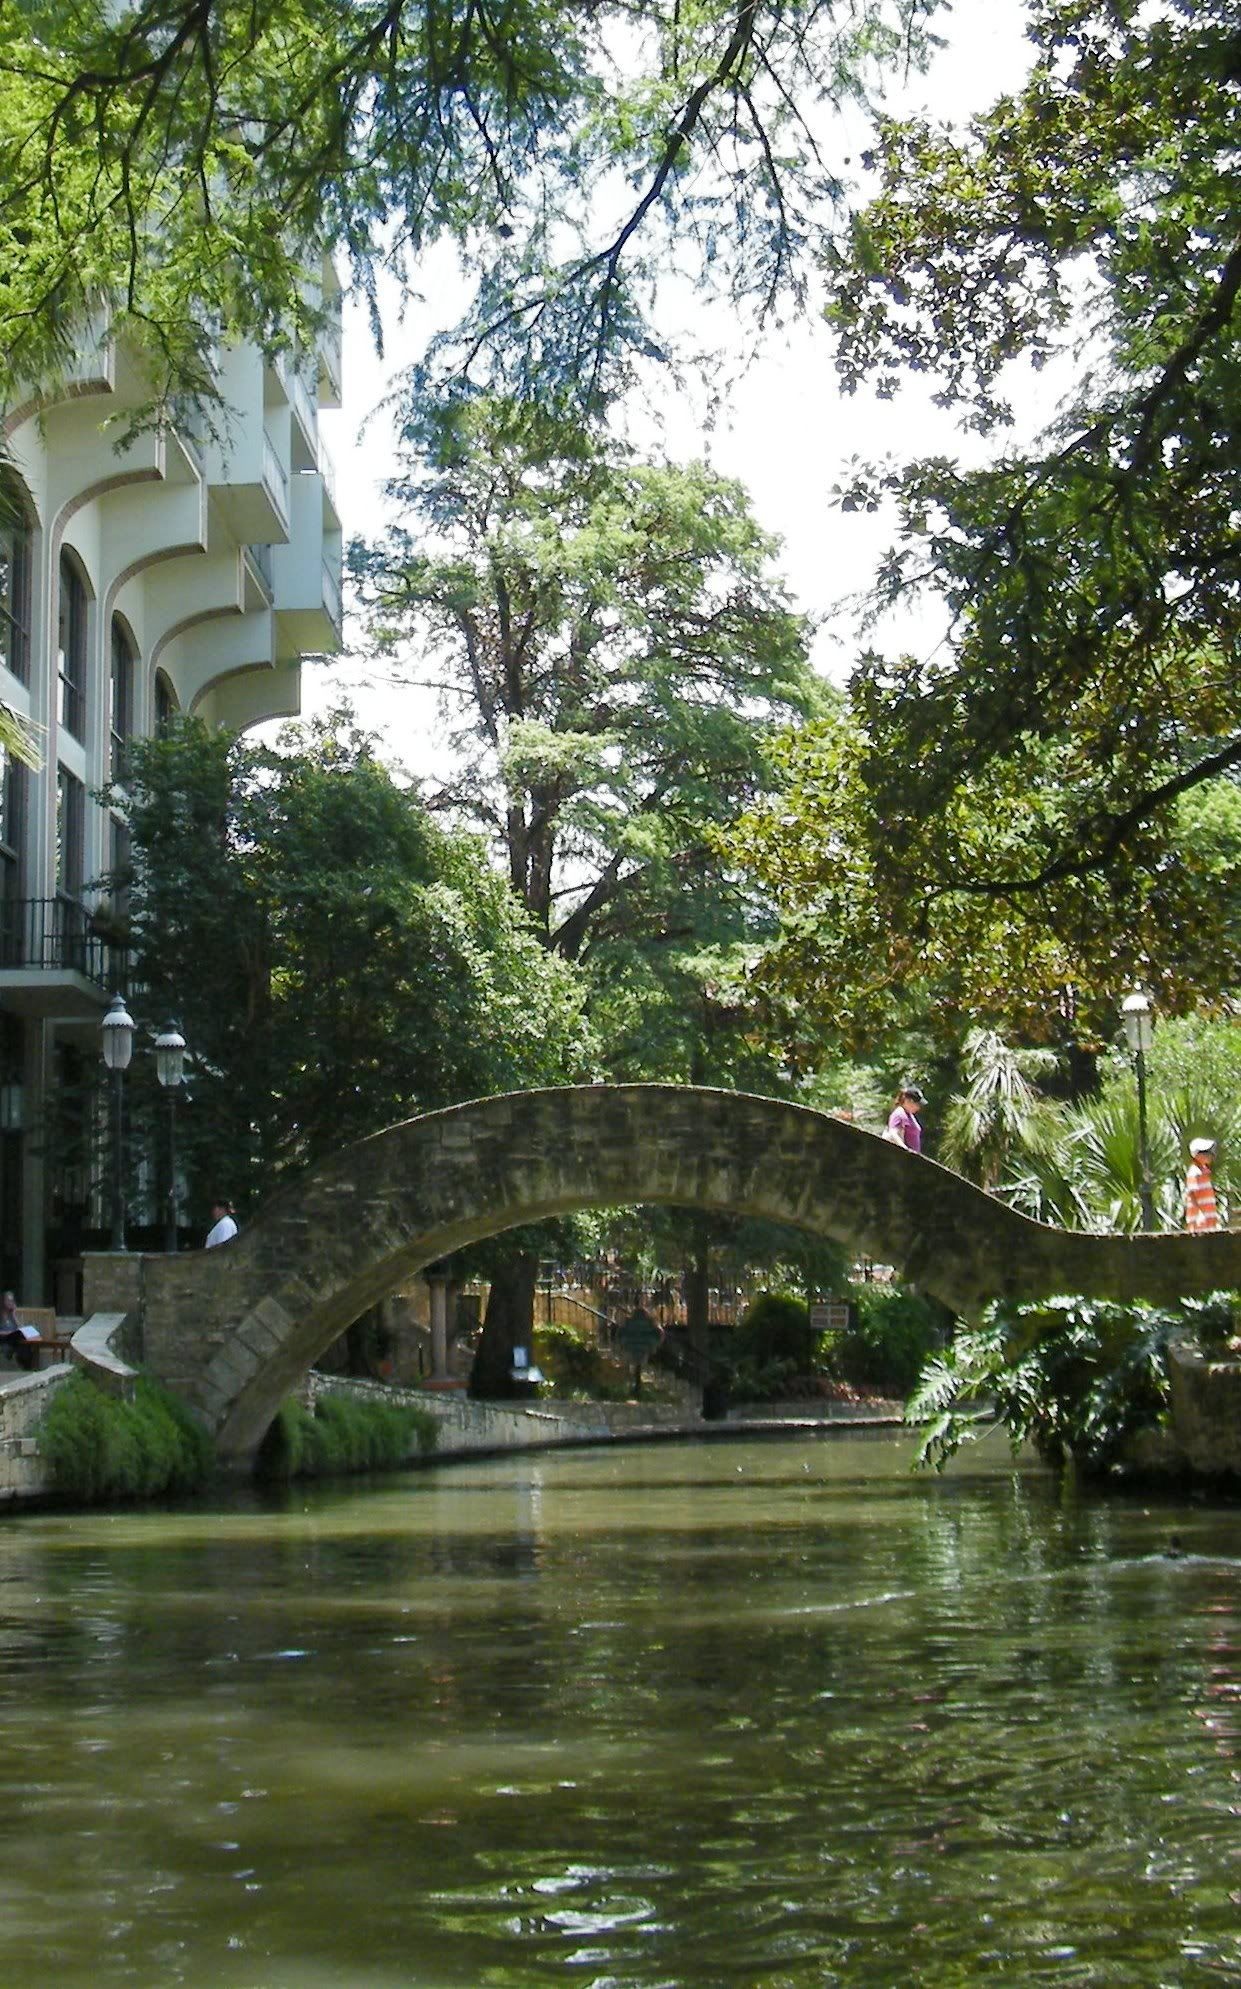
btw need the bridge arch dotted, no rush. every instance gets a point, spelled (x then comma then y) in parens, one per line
(233, 1330)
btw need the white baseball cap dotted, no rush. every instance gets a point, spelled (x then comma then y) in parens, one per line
(1201, 1146)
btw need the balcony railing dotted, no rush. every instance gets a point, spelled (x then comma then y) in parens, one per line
(329, 355)
(61, 935)
(331, 597)
(260, 559)
(327, 470)
(275, 478)
(301, 399)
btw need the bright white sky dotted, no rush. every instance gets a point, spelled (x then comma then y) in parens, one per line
(788, 436)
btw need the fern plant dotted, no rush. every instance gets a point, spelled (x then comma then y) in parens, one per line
(1076, 1377)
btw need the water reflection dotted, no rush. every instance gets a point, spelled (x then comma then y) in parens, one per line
(759, 1714)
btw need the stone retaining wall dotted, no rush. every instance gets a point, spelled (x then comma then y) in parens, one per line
(816, 1412)
(22, 1403)
(1206, 1412)
(466, 1425)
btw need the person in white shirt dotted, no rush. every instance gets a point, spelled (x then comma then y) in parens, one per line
(223, 1225)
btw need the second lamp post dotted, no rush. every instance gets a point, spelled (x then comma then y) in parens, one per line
(118, 1047)
(170, 1069)
(1135, 1012)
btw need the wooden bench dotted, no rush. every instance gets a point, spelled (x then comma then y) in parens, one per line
(43, 1318)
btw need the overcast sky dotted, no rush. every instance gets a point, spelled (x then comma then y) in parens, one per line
(788, 433)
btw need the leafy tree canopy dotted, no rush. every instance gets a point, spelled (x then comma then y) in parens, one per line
(871, 937)
(1039, 760)
(614, 651)
(336, 959)
(178, 162)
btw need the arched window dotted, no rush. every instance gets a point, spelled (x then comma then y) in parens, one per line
(16, 580)
(165, 704)
(12, 852)
(71, 647)
(121, 698)
(70, 834)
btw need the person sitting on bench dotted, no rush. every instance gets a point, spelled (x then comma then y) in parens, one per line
(15, 1337)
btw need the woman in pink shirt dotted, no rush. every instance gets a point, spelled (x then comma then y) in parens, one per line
(903, 1118)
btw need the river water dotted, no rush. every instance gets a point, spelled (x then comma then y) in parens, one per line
(770, 1713)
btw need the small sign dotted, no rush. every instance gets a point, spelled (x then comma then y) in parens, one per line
(638, 1336)
(830, 1318)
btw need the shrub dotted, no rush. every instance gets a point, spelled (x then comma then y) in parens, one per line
(775, 1327)
(575, 1364)
(761, 1381)
(1077, 1377)
(97, 1447)
(346, 1433)
(892, 1333)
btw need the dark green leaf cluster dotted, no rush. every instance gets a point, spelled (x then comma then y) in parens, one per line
(344, 1434)
(1092, 581)
(98, 1448)
(1076, 1377)
(575, 1364)
(892, 1333)
(337, 960)
(776, 1327)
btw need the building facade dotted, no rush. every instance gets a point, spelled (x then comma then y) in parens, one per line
(167, 573)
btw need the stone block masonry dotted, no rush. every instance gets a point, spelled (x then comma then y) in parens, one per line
(234, 1330)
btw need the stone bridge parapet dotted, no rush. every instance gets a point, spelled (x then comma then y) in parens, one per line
(233, 1330)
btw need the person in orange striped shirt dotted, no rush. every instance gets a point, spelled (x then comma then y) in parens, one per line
(1201, 1213)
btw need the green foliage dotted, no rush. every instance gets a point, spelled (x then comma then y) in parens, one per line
(876, 934)
(983, 1123)
(1091, 579)
(611, 642)
(1080, 1165)
(345, 1434)
(185, 164)
(747, 1378)
(775, 1327)
(1076, 1377)
(1049, 800)
(98, 1448)
(575, 1364)
(891, 1334)
(297, 909)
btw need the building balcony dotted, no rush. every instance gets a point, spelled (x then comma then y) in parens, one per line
(59, 958)
(245, 462)
(306, 572)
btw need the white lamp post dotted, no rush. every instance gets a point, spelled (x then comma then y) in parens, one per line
(1135, 1011)
(170, 1070)
(117, 1031)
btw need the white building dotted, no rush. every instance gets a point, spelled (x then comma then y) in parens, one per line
(166, 575)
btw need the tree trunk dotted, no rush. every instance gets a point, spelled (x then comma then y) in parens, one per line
(509, 1323)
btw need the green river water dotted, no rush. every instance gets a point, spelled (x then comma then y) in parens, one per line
(770, 1713)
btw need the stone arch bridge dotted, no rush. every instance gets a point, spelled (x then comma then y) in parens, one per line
(233, 1330)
